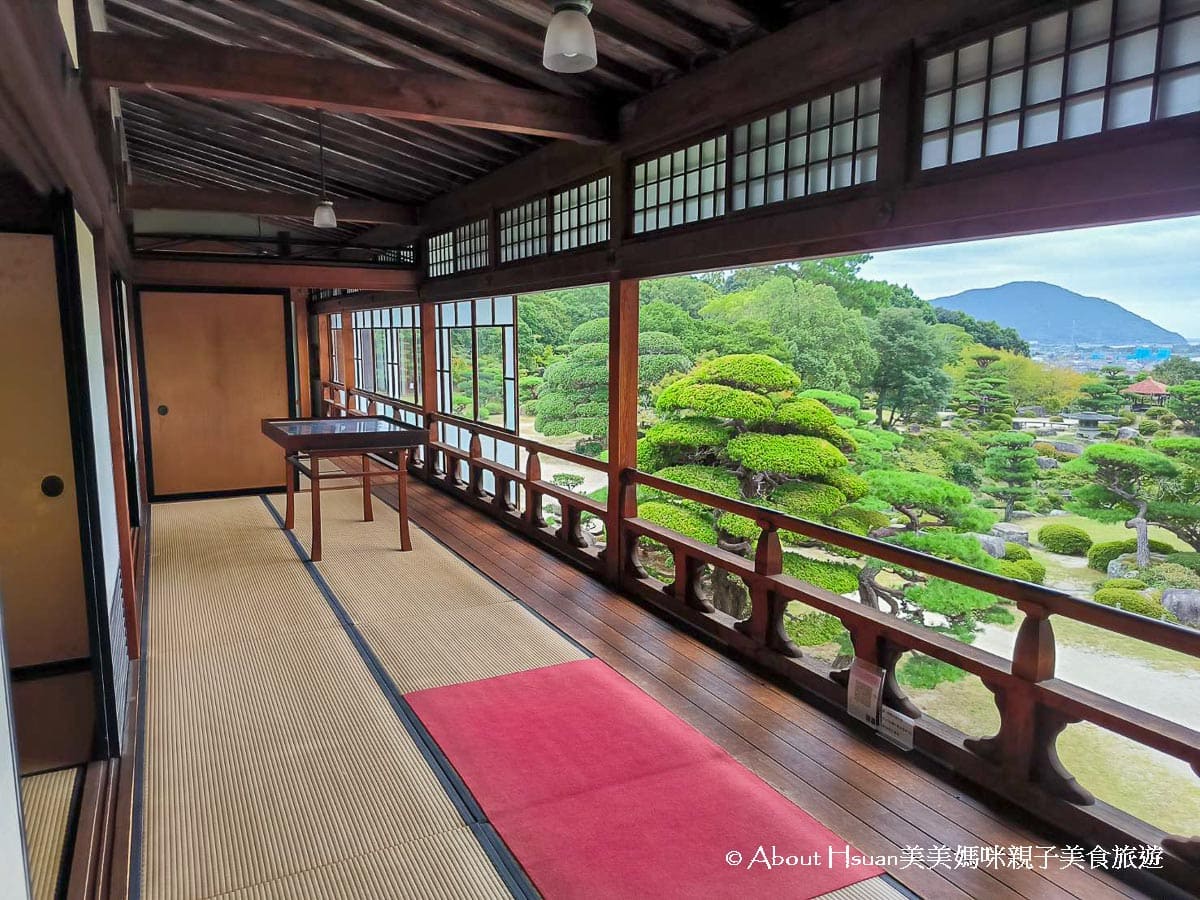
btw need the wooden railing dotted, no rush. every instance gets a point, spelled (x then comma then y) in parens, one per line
(1020, 761)
(338, 400)
(517, 494)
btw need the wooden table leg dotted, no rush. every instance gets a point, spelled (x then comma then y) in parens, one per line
(289, 515)
(368, 512)
(315, 553)
(402, 498)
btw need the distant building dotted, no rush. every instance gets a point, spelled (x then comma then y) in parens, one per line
(1147, 392)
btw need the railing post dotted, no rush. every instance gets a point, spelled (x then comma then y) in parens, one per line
(765, 625)
(1025, 746)
(533, 497)
(474, 472)
(622, 413)
(428, 313)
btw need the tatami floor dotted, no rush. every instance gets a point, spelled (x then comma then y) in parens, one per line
(47, 802)
(279, 758)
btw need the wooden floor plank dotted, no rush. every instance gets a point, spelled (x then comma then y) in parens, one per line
(873, 796)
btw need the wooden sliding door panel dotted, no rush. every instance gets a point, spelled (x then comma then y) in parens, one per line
(41, 563)
(215, 367)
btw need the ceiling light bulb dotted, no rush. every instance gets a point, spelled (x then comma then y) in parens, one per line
(570, 41)
(324, 216)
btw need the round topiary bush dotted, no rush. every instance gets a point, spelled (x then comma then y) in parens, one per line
(1068, 540)
(1014, 551)
(1132, 601)
(1100, 555)
(1130, 584)
(1023, 570)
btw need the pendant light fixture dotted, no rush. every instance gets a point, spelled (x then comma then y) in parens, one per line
(570, 41)
(323, 215)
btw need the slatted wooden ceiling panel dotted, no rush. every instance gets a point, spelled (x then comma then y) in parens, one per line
(181, 140)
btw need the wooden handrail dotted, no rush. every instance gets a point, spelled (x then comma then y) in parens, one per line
(523, 442)
(1053, 602)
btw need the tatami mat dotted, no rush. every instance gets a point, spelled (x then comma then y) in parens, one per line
(46, 801)
(872, 889)
(430, 618)
(271, 754)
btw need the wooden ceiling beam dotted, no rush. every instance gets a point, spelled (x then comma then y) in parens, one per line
(254, 203)
(259, 274)
(204, 69)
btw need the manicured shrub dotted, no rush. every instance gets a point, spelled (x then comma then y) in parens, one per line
(1132, 601)
(1171, 575)
(719, 401)
(833, 399)
(1023, 570)
(841, 578)
(813, 628)
(857, 520)
(1106, 551)
(688, 522)
(795, 455)
(751, 371)
(806, 500)
(690, 433)
(1129, 584)
(1068, 540)
(854, 486)
(1014, 551)
(925, 673)
(1187, 560)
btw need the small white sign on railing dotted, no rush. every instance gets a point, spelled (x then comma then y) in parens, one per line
(896, 727)
(865, 692)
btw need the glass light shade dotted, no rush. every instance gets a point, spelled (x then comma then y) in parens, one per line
(323, 215)
(570, 41)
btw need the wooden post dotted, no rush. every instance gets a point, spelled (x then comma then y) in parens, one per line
(346, 333)
(429, 378)
(305, 382)
(622, 412)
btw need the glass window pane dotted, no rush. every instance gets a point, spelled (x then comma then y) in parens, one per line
(1084, 115)
(1008, 50)
(1041, 126)
(1002, 134)
(1133, 14)
(1047, 37)
(1179, 93)
(1090, 22)
(1181, 43)
(1130, 104)
(937, 111)
(1133, 56)
(933, 150)
(939, 73)
(865, 166)
(1005, 93)
(967, 144)
(1087, 70)
(1044, 82)
(972, 62)
(868, 96)
(968, 103)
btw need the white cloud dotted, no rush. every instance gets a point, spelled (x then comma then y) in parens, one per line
(1151, 268)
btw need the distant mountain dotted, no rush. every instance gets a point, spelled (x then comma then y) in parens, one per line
(1049, 314)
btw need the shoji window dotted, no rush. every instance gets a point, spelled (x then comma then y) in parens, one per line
(389, 352)
(523, 231)
(477, 360)
(335, 348)
(460, 250)
(827, 143)
(581, 215)
(1094, 67)
(681, 187)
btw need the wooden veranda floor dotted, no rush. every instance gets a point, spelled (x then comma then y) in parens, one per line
(872, 795)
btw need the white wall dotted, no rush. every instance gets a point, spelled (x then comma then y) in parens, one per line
(99, 398)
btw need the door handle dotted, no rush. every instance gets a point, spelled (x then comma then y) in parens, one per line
(162, 409)
(53, 486)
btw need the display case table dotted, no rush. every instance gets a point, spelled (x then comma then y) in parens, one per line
(306, 441)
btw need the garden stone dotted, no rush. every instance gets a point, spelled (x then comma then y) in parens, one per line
(1009, 532)
(1125, 566)
(1059, 512)
(1126, 433)
(992, 545)
(1046, 432)
(1184, 603)
(1046, 462)
(1067, 446)
(1031, 411)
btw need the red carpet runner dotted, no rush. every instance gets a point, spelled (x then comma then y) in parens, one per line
(600, 792)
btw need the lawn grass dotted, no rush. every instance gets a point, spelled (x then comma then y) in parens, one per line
(1099, 531)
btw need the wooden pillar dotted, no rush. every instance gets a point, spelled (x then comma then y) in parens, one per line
(323, 370)
(429, 378)
(622, 412)
(308, 396)
(116, 432)
(348, 351)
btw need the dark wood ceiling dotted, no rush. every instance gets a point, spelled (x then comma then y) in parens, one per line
(173, 139)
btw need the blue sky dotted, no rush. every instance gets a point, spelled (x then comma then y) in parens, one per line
(1150, 268)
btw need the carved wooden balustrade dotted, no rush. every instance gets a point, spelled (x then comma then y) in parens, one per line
(1021, 759)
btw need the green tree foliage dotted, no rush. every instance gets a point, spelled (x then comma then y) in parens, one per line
(1184, 402)
(829, 346)
(573, 396)
(1132, 601)
(1122, 483)
(1098, 396)
(909, 381)
(927, 499)
(734, 426)
(1011, 467)
(1104, 552)
(985, 332)
(981, 397)
(1177, 370)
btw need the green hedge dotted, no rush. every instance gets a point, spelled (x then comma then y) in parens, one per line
(813, 628)
(1132, 601)
(1066, 539)
(1187, 560)
(1172, 575)
(1129, 584)
(841, 578)
(1014, 551)
(1106, 551)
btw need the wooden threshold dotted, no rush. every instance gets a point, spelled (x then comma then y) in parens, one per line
(875, 796)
